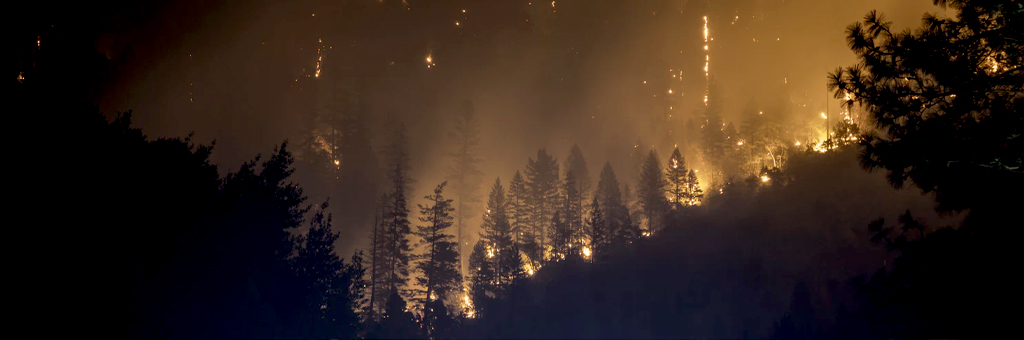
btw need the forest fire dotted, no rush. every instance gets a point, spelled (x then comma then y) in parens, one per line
(304, 170)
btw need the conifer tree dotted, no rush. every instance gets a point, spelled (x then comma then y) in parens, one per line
(597, 231)
(379, 263)
(396, 218)
(518, 209)
(944, 101)
(497, 232)
(482, 278)
(560, 237)
(572, 212)
(610, 199)
(651, 195)
(318, 269)
(465, 173)
(440, 260)
(693, 193)
(676, 174)
(578, 165)
(542, 180)
(631, 230)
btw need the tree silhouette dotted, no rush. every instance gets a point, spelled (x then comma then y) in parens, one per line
(439, 262)
(651, 192)
(943, 100)
(395, 222)
(677, 176)
(542, 180)
(518, 208)
(329, 294)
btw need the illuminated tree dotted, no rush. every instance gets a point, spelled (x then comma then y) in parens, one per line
(465, 173)
(572, 212)
(482, 278)
(651, 192)
(497, 233)
(943, 100)
(676, 174)
(693, 191)
(439, 264)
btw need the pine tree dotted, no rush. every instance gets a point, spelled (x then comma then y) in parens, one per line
(515, 269)
(572, 213)
(318, 269)
(518, 210)
(497, 232)
(396, 321)
(651, 195)
(465, 171)
(440, 260)
(578, 165)
(396, 219)
(947, 108)
(630, 230)
(676, 174)
(379, 262)
(694, 194)
(597, 231)
(610, 199)
(542, 181)
(481, 271)
(560, 236)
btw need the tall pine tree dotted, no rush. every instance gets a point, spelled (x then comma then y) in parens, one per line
(439, 262)
(497, 235)
(518, 208)
(597, 232)
(465, 173)
(542, 181)
(572, 213)
(396, 218)
(651, 192)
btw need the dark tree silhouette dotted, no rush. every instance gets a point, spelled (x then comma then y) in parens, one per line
(329, 287)
(518, 208)
(438, 264)
(542, 180)
(572, 214)
(651, 192)
(597, 232)
(944, 101)
(482, 278)
(395, 222)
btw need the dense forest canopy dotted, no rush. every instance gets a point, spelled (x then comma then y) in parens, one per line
(740, 219)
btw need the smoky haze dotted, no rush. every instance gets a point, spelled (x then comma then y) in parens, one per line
(539, 74)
